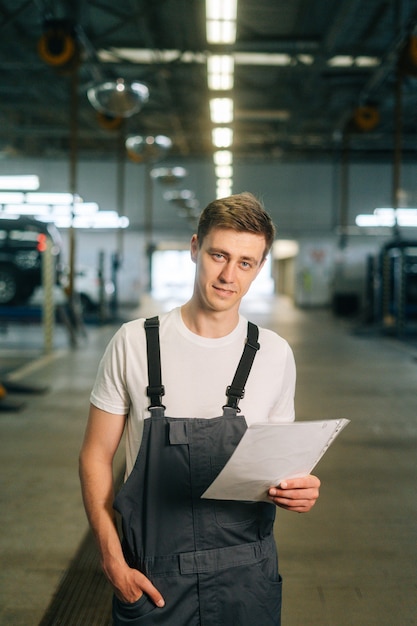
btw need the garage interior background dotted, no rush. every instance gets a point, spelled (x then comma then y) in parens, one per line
(318, 116)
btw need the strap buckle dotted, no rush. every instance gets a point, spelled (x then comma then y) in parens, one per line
(234, 394)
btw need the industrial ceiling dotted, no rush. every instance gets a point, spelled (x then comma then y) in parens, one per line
(307, 74)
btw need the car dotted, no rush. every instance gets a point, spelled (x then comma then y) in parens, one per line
(23, 239)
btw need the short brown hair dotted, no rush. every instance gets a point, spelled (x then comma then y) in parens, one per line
(241, 212)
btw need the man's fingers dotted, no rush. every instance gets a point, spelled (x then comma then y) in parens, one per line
(151, 591)
(305, 482)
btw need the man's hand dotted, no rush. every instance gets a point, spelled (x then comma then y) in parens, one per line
(130, 584)
(296, 494)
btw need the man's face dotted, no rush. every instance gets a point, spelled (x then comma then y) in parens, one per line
(227, 263)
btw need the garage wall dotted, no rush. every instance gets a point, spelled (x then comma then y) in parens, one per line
(303, 199)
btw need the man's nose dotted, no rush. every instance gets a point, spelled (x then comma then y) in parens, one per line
(228, 273)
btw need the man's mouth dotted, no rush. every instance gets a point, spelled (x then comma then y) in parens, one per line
(223, 290)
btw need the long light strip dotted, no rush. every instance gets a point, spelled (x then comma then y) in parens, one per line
(387, 218)
(36, 198)
(221, 29)
(20, 182)
(98, 220)
(144, 56)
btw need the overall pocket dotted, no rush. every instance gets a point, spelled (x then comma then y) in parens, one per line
(131, 613)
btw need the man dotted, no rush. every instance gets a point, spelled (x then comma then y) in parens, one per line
(186, 560)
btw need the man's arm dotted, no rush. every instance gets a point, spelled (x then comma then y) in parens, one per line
(296, 494)
(102, 437)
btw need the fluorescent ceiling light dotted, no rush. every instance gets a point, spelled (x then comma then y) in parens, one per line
(223, 187)
(100, 220)
(221, 9)
(20, 183)
(220, 82)
(224, 171)
(220, 70)
(222, 137)
(340, 61)
(261, 58)
(349, 61)
(369, 220)
(25, 209)
(224, 182)
(50, 198)
(387, 217)
(147, 56)
(86, 208)
(221, 32)
(367, 61)
(399, 212)
(305, 59)
(220, 63)
(223, 157)
(12, 197)
(221, 21)
(51, 210)
(221, 110)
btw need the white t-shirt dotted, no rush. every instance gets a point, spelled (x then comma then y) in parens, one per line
(195, 373)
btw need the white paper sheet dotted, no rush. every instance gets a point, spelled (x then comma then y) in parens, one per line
(269, 453)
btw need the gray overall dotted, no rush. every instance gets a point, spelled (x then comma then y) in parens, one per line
(214, 562)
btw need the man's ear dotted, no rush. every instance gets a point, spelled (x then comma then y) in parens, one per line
(194, 248)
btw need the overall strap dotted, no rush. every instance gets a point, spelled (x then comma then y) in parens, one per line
(155, 390)
(236, 390)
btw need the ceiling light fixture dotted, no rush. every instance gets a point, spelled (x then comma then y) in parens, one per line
(50, 198)
(223, 187)
(12, 197)
(341, 60)
(363, 61)
(20, 182)
(222, 137)
(224, 171)
(221, 21)
(223, 157)
(118, 98)
(221, 110)
(387, 217)
(220, 72)
(263, 58)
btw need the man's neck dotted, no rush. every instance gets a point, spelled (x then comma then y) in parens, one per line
(211, 324)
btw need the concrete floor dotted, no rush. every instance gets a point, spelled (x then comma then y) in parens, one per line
(352, 561)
